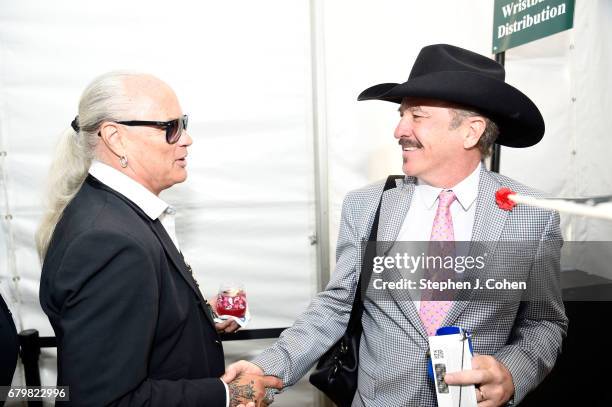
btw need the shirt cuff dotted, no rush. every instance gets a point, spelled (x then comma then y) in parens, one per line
(227, 399)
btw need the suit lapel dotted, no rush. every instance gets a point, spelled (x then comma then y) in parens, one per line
(490, 219)
(394, 208)
(166, 242)
(489, 222)
(179, 263)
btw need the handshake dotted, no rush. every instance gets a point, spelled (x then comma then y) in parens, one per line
(248, 385)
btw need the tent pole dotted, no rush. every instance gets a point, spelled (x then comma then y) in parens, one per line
(496, 156)
(319, 127)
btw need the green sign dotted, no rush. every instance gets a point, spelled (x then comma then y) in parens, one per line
(517, 22)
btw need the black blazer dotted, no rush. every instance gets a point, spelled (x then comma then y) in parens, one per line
(9, 345)
(131, 324)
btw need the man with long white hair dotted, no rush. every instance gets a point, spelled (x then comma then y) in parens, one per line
(131, 323)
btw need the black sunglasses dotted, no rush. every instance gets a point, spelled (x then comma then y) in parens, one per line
(174, 128)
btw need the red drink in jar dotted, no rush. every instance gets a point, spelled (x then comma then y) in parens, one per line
(232, 301)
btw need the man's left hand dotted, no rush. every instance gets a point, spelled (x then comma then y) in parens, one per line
(494, 386)
(227, 326)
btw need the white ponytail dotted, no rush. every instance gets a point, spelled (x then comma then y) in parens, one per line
(105, 99)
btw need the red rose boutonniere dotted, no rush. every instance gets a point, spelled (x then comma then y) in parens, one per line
(502, 200)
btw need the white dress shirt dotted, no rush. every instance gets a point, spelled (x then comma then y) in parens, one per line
(7, 294)
(419, 219)
(153, 206)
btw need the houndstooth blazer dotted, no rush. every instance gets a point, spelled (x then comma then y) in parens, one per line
(525, 336)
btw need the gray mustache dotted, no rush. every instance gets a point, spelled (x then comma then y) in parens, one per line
(406, 142)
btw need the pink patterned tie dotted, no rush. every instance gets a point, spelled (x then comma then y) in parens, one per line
(432, 313)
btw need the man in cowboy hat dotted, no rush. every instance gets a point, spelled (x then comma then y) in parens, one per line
(453, 107)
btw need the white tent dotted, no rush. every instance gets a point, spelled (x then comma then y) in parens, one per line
(279, 138)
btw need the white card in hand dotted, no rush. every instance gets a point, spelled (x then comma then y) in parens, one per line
(451, 353)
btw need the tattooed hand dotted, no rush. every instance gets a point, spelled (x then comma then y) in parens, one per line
(248, 388)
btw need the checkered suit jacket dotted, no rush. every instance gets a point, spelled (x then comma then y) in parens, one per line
(525, 336)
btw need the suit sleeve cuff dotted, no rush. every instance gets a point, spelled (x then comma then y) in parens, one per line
(520, 367)
(227, 398)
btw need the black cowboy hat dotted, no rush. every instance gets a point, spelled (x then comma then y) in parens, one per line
(453, 74)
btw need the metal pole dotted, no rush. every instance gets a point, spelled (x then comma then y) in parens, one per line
(320, 143)
(30, 351)
(496, 156)
(319, 127)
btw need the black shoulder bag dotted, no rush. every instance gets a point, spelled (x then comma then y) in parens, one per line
(336, 372)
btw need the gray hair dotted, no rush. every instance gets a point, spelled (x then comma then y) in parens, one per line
(104, 99)
(491, 131)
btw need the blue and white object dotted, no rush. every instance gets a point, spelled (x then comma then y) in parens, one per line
(451, 351)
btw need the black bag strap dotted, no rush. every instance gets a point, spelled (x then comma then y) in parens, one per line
(368, 259)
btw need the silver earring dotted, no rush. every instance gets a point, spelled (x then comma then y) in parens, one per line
(123, 161)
